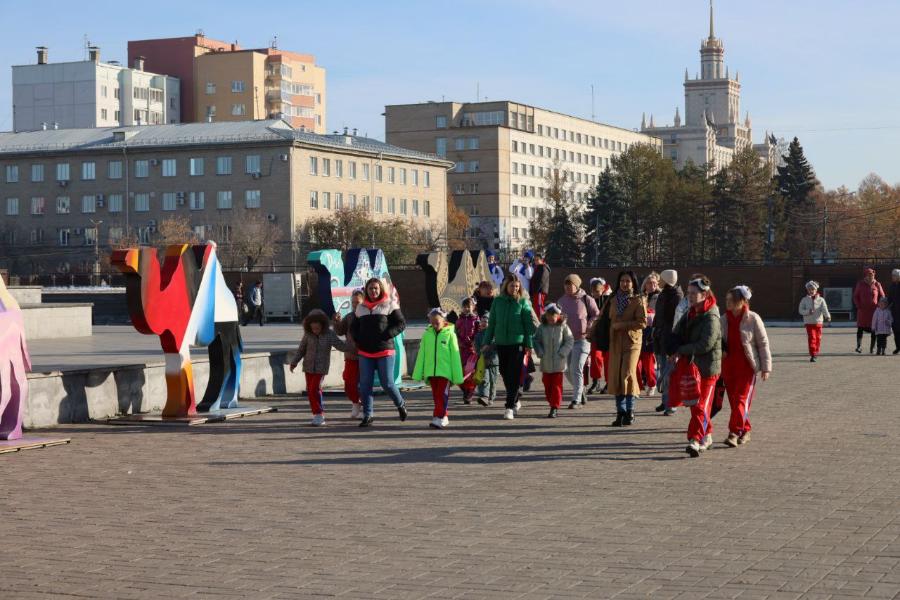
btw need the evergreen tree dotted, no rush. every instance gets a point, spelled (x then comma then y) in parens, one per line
(684, 215)
(606, 222)
(557, 229)
(795, 182)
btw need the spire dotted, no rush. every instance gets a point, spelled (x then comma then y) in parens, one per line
(712, 30)
(686, 74)
(651, 121)
(677, 117)
(643, 121)
(747, 120)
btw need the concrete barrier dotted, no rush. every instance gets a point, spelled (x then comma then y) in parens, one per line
(80, 395)
(26, 294)
(49, 321)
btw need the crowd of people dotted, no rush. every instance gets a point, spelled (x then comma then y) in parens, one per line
(638, 338)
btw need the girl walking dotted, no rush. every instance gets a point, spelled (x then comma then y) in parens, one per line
(342, 326)
(315, 352)
(466, 329)
(814, 310)
(882, 325)
(487, 389)
(553, 344)
(438, 364)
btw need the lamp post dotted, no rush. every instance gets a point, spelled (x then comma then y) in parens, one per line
(96, 225)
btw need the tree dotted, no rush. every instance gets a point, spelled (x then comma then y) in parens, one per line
(795, 182)
(557, 230)
(175, 230)
(606, 224)
(246, 239)
(684, 215)
(457, 226)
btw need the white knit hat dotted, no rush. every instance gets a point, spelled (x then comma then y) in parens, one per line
(812, 285)
(896, 272)
(669, 276)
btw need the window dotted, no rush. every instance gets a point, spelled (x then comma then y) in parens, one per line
(473, 188)
(474, 143)
(142, 168)
(427, 208)
(515, 168)
(169, 167)
(473, 166)
(197, 200)
(351, 200)
(238, 110)
(365, 202)
(210, 88)
(515, 190)
(379, 204)
(378, 173)
(88, 204)
(390, 174)
(142, 203)
(515, 211)
(492, 117)
(392, 205)
(114, 169)
(104, 114)
(114, 203)
(403, 206)
(459, 188)
(37, 206)
(169, 201)
(199, 231)
(338, 200)
(117, 116)
(223, 200)
(326, 199)
(365, 172)
(427, 176)
(351, 169)
(63, 236)
(252, 198)
(314, 199)
(313, 165)
(440, 146)
(116, 234)
(223, 165)
(62, 172)
(326, 167)
(253, 163)
(440, 122)
(12, 173)
(12, 206)
(195, 167)
(36, 236)
(459, 143)
(460, 167)
(515, 232)
(143, 234)
(37, 173)
(339, 168)
(402, 176)
(237, 86)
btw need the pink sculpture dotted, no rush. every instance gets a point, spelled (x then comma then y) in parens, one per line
(14, 365)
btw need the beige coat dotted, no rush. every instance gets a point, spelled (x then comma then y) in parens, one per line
(754, 340)
(625, 337)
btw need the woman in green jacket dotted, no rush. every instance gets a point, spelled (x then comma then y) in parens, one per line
(438, 363)
(511, 329)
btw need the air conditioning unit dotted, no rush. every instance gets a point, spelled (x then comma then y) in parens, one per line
(271, 217)
(77, 231)
(152, 223)
(62, 183)
(100, 197)
(181, 201)
(100, 202)
(179, 195)
(256, 175)
(154, 161)
(285, 157)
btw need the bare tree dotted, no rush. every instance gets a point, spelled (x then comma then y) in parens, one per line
(175, 230)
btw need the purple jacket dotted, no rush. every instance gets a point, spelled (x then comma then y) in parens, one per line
(466, 328)
(882, 321)
(580, 311)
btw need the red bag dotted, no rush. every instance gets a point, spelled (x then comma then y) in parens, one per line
(684, 383)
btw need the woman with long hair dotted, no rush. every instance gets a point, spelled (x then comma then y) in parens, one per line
(627, 315)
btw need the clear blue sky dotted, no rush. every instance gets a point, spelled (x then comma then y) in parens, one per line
(824, 70)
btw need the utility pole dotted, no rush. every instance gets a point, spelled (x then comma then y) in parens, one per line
(96, 225)
(825, 229)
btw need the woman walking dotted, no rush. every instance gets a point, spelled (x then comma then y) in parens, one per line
(865, 299)
(378, 321)
(663, 323)
(598, 361)
(746, 353)
(511, 328)
(627, 315)
(580, 311)
(814, 310)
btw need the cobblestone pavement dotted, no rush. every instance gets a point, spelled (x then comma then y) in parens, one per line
(535, 508)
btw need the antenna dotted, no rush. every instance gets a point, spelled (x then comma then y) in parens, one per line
(275, 42)
(477, 91)
(87, 44)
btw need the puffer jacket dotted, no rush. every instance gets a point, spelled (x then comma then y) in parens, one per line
(580, 311)
(510, 323)
(466, 328)
(438, 356)
(814, 310)
(553, 344)
(315, 350)
(376, 325)
(664, 317)
(700, 337)
(754, 341)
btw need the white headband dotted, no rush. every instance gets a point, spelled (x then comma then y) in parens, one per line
(698, 283)
(812, 285)
(437, 312)
(744, 291)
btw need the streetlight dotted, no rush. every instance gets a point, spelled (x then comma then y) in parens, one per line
(96, 225)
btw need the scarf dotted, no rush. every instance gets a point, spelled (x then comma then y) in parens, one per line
(622, 300)
(707, 304)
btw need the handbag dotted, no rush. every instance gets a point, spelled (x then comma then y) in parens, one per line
(684, 383)
(478, 377)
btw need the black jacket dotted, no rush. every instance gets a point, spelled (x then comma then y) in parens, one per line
(376, 325)
(894, 298)
(664, 319)
(540, 281)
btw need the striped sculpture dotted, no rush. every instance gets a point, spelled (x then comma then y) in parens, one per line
(14, 366)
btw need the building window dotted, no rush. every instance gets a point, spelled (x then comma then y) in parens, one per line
(427, 177)
(326, 199)
(473, 188)
(238, 110)
(365, 172)
(378, 173)
(223, 200)
(114, 169)
(515, 233)
(199, 232)
(515, 189)
(402, 206)
(326, 167)
(440, 122)
(62, 172)
(104, 114)
(223, 165)
(427, 208)
(197, 200)
(460, 167)
(440, 145)
(12, 173)
(390, 174)
(314, 199)
(114, 203)
(237, 86)
(12, 206)
(195, 166)
(379, 204)
(351, 200)
(88, 204)
(169, 167)
(313, 165)
(63, 236)
(169, 201)
(474, 143)
(459, 188)
(210, 88)
(365, 202)
(253, 163)
(116, 234)
(252, 198)
(37, 206)
(37, 173)
(515, 211)
(142, 203)
(392, 205)
(338, 168)
(142, 168)
(459, 143)
(117, 116)
(402, 176)
(338, 200)
(90, 236)
(351, 170)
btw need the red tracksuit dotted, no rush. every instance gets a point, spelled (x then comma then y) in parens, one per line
(314, 393)
(646, 370)
(553, 388)
(440, 393)
(740, 379)
(814, 338)
(538, 301)
(351, 380)
(700, 426)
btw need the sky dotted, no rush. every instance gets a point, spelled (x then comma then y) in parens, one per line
(825, 71)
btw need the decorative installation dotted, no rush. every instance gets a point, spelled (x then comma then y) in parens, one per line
(185, 302)
(338, 277)
(14, 366)
(450, 277)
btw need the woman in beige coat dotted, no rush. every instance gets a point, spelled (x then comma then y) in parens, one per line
(627, 314)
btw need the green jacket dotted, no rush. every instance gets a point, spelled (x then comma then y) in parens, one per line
(701, 338)
(511, 322)
(439, 356)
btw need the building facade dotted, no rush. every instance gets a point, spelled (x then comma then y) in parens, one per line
(224, 82)
(91, 93)
(503, 153)
(75, 189)
(712, 130)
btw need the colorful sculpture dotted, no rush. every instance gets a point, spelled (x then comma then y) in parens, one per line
(14, 365)
(450, 278)
(337, 277)
(186, 302)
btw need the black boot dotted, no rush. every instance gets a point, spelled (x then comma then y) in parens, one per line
(661, 407)
(593, 388)
(620, 419)
(629, 419)
(401, 410)
(605, 387)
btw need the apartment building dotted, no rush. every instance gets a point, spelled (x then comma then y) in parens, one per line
(91, 93)
(224, 82)
(503, 153)
(73, 189)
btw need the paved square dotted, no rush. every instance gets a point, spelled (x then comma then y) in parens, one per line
(268, 507)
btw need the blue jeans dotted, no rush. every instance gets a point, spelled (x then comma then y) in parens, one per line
(624, 403)
(385, 368)
(664, 370)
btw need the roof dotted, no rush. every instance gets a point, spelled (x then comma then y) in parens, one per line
(191, 134)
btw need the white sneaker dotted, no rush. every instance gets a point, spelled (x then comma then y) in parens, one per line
(435, 423)
(509, 414)
(445, 421)
(651, 392)
(707, 442)
(693, 448)
(356, 411)
(318, 420)
(518, 407)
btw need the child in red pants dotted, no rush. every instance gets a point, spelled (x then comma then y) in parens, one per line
(315, 352)
(438, 364)
(351, 357)
(814, 310)
(466, 330)
(553, 342)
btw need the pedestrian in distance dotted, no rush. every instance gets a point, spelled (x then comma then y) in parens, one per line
(553, 344)
(814, 311)
(487, 389)
(342, 326)
(466, 328)
(667, 302)
(865, 298)
(539, 285)
(315, 352)
(580, 312)
(894, 302)
(256, 304)
(598, 361)
(627, 315)
(882, 325)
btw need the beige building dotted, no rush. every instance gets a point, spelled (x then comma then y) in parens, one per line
(503, 153)
(55, 186)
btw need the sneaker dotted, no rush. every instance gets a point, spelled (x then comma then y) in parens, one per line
(552, 414)
(518, 407)
(693, 448)
(573, 404)
(401, 410)
(732, 440)
(439, 422)
(318, 420)
(651, 391)
(509, 414)
(661, 407)
(467, 398)
(744, 438)
(858, 350)
(669, 412)
(812, 359)
(707, 442)
(445, 420)
(620, 419)
(482, 401)
(583, 398)
(356, 411)
(366, 421)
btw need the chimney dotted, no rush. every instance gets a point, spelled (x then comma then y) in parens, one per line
(42, 55)
(94, 53)
(139, 63)
(354, 131)
(345, 130)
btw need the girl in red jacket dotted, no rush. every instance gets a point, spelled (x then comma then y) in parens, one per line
(466, 329)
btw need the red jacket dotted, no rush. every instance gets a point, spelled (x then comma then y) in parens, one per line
(865, 298)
